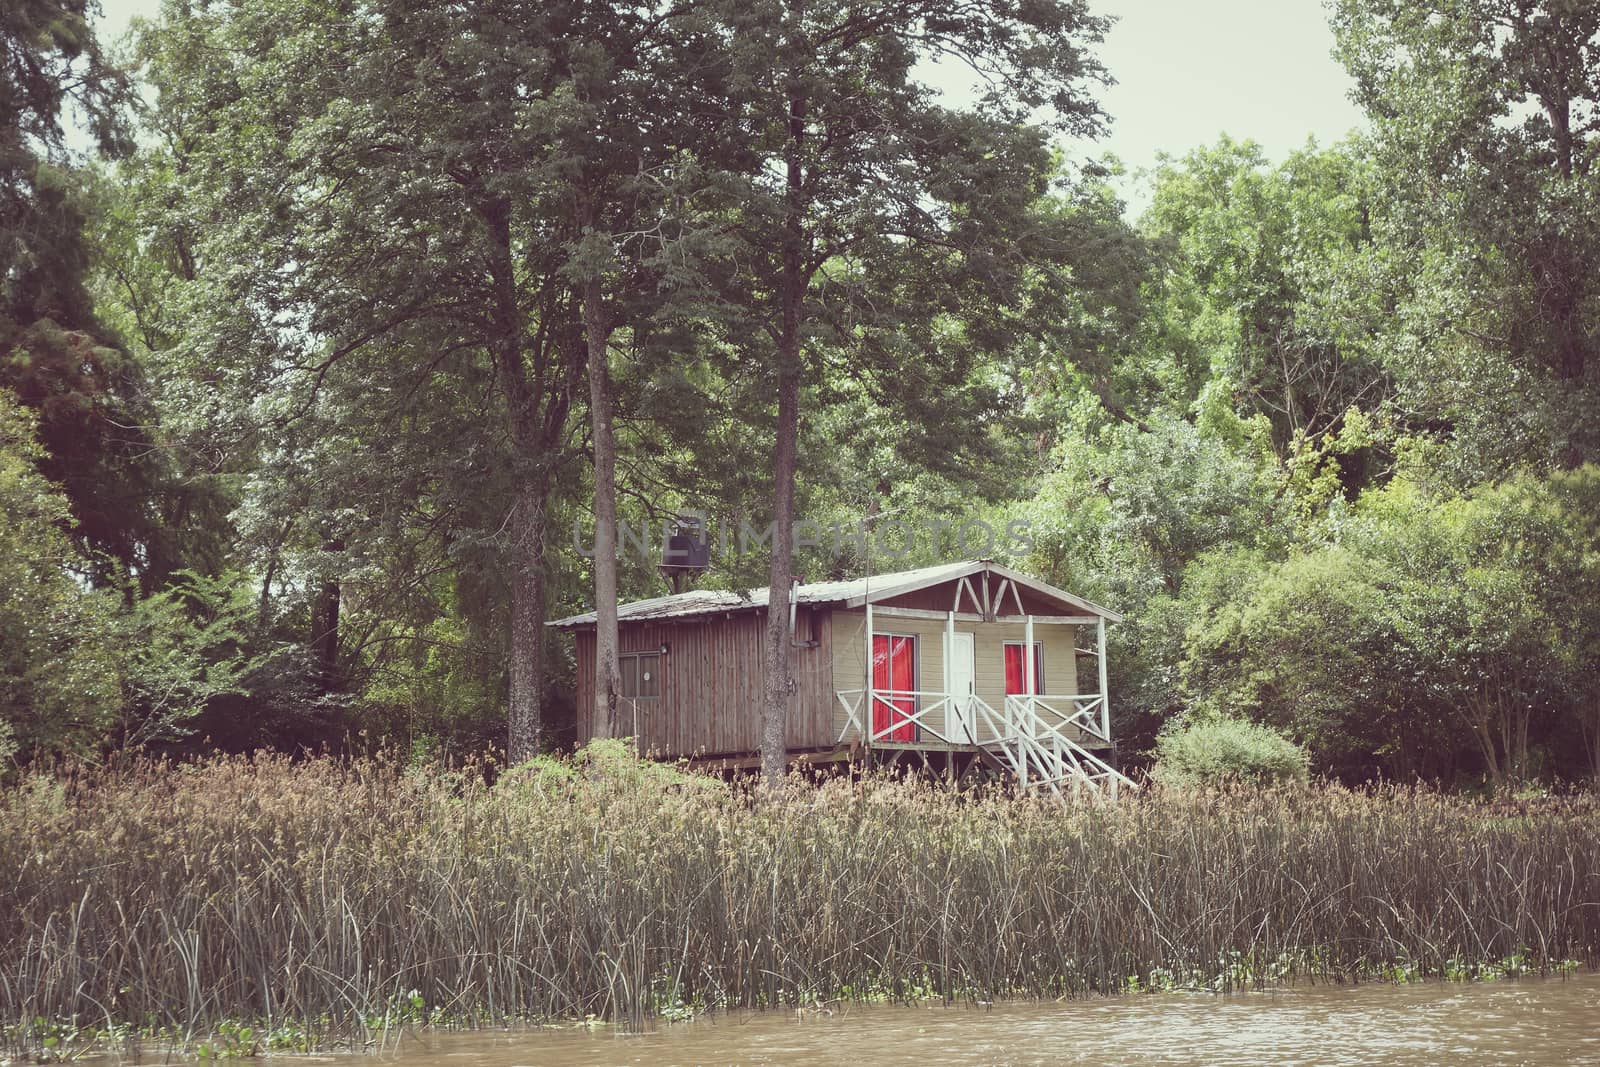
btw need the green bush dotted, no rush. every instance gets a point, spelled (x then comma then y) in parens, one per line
(1222, 750)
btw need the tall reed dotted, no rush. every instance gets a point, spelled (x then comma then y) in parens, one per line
(327, 894)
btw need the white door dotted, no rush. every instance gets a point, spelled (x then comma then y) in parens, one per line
(963, 716)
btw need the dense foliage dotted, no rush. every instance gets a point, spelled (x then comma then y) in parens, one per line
(302, 388)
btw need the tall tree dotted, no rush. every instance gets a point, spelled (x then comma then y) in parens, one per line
(58, 668)
(96, 420)
(1263, 289)
(1487, 125)
(603, 438)
(398, 246)
(873, 207)
(637, 149)
(49, 61)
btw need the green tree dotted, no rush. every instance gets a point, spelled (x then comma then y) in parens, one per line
(52, 63)
(1122, 516)
(82, 668)
(871, 207)
(179, 650)
(1422, 634)
(397, 260)
(96, 419)
(1572, 566)
(1266, 294)
(637, 199)
(59, 679)
(1314, 645)
(1485, 134)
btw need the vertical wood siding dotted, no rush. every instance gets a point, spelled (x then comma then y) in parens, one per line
(712, 680)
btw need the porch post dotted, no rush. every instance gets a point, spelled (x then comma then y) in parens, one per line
(949, 653)
(1031, 682)
(869, 704)
(1105, 696)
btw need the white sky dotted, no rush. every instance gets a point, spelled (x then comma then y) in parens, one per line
(1186, 71)
(1190, 70)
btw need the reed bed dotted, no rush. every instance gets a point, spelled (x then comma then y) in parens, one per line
(330, 898)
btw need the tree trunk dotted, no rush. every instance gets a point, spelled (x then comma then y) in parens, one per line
(325, 628)
(1517, 711)
(780, 579)
(1593, 733)
(1481, 720)
(274, 558)
(606, 671)
(1570, 326)
(1565, 276)
(526, 721)
(537, 407)
(775, 705)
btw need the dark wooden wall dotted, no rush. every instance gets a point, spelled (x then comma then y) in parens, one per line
(712, 679)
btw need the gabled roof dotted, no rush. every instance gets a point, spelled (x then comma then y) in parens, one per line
(852, 592)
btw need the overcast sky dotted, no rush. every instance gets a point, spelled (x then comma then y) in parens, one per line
(1186, 71)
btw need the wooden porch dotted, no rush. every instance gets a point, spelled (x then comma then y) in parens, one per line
(1051, 741)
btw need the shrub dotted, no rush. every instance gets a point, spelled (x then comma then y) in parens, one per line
(1221, 750)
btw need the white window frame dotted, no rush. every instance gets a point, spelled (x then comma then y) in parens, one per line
(1038, 666)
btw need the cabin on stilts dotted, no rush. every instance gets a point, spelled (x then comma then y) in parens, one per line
(959, 666)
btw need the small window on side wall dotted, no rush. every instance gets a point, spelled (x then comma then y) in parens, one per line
(641, 675)
(1016, 679)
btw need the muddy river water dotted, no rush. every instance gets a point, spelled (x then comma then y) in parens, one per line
(1554, 1021)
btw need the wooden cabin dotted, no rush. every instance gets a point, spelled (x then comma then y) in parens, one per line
(924, 662)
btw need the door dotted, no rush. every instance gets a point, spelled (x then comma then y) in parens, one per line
(894, 683)
(963, 673)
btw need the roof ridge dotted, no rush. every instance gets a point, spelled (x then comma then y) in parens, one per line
(707, 601)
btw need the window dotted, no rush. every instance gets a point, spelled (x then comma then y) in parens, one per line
(641, 675)
(1016, 680)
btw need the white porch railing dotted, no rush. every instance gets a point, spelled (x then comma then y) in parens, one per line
(1039, 738)
(1050, 713)
(934, 715)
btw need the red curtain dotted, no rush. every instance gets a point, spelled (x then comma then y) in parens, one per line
(893, 669)
(1015, 682)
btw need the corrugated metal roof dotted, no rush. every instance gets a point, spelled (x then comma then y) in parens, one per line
(711, 601)
(694, 602)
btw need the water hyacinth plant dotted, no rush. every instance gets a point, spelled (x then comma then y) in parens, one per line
(328, 900)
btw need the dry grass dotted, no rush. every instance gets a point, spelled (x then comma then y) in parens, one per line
(328, 897)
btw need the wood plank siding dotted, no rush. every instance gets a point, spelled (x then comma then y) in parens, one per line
(712, 679)
(711, 673)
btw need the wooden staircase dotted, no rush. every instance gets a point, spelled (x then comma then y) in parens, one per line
(1055, 765)
(1036, 750)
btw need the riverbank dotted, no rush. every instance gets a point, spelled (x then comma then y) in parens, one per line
(328, 901)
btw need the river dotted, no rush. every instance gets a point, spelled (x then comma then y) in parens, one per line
(1537, 1022)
